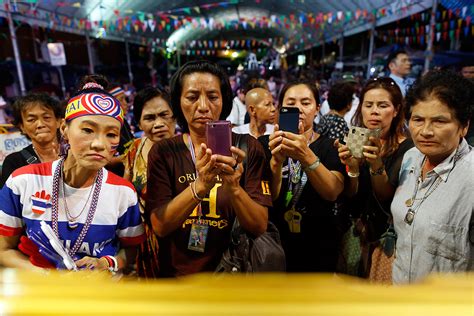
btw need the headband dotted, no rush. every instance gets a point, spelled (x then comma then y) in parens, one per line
(116, 91)
(93, 104)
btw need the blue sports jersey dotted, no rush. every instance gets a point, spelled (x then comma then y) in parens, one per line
(25, 201)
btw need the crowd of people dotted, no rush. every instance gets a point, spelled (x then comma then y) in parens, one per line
(163, 204)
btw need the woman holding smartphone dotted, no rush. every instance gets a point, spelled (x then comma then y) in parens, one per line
(307, 177)
(372, 179)
(193, 194)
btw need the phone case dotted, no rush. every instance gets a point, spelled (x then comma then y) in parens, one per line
(219, 137)
(357, 138)
(289, 119)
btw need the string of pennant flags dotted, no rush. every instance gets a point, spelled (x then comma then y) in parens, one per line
(144, 24)
(448, 26)
(170, 21)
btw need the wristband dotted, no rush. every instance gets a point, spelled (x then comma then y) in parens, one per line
(312, 166)
(113, 264)
(377, 172)
(352, 174)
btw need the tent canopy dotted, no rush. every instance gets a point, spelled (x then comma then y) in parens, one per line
(296, 23)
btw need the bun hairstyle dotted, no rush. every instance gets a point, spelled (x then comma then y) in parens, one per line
(101, 80)
(92, 98)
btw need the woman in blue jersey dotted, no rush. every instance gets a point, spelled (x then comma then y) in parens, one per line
(92, 212)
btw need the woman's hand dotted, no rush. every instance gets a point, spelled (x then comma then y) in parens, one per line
(346, 158)
(91, 263)
(231, 168)
(207, 170)
(372, 153)
(296, 146)
(274, 145)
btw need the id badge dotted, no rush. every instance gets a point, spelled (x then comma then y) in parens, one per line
(198, 237)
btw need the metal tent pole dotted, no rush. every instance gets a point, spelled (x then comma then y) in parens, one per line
(89, 53)
(15, 49)
(429, 46)
(371, 49)
(341, 47)
(323, 56)
(129, 65)
(61, 78)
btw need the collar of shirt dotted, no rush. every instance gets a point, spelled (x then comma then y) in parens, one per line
(444, 168)
(397, 79)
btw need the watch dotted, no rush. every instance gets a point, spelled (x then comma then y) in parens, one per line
(312, 166)
(377, 172)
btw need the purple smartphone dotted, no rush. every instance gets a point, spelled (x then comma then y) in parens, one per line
(219, 137)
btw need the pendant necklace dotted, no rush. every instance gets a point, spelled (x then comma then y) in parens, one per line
(55, 206)
(72, 221)
(411, 212)
(295, 167)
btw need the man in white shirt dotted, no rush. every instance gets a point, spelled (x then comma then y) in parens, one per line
(262, 113)
(347, 77)
(237, 114)
(399, 65)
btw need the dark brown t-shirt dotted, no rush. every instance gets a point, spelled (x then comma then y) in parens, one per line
(170, 170)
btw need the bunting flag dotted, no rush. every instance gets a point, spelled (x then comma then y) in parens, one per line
(452, 22)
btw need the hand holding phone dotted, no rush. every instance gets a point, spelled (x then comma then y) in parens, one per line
(219, 137)
(289, 119)
(357, 138)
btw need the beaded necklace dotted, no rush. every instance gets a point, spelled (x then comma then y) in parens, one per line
(57, 177)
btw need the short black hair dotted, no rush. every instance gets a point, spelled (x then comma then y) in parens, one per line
(394, 54)
(340, 95)
(199, 66)
(145, 95)
(452, 89)
(311, 86)
(22, 103)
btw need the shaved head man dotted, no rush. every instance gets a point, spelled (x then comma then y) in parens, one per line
(262, 113)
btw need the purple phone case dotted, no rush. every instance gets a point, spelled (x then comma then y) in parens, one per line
(219, 137)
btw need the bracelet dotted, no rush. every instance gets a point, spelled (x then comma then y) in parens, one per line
(112, 262)
(193, 191)
(377, 172)
(352, 174)
(312, 166)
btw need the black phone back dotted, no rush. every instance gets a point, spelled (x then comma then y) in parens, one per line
(289, 119)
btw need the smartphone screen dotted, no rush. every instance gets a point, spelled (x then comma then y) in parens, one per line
(289, 119)
(219, 137)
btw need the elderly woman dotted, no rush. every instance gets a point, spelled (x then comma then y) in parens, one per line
(373, 178)
(194, 193)
(433, 206)
(39, 117)
(93, 212)
(307, 177)
(155, 118)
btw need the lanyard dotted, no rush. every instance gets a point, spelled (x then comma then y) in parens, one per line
(193, 157)
(295, 177)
